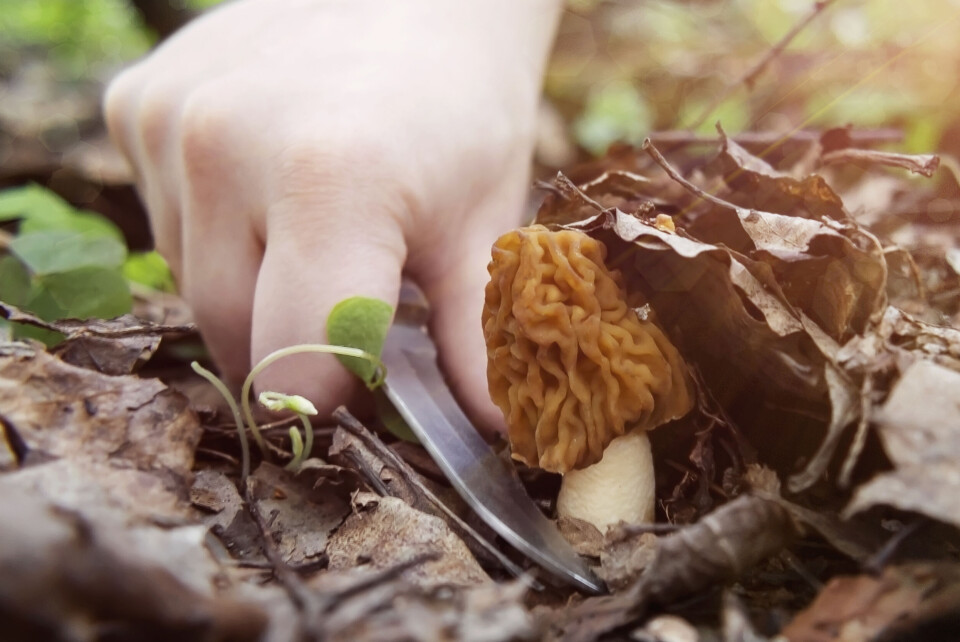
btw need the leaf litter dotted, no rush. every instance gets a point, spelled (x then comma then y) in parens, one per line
(817, 363)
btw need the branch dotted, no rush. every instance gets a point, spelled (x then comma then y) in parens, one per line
(750, 77)
(925, 164)
(858, 138)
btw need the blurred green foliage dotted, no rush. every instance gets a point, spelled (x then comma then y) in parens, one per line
(876, 63)
(68, 263)
(81, 36)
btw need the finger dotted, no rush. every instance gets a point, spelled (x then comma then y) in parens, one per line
(324, 245)
(222, 245)
(456, 293)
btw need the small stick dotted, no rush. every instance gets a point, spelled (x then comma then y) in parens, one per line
(864, 137)
(651, 149)
(923, 164)
(750, 77)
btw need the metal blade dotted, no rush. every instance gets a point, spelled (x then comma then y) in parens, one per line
(488, 484)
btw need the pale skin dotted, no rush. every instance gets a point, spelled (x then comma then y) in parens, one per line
(292, 153)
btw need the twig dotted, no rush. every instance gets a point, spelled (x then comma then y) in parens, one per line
(303, 599)
(74, 328)
(864, 137)
(651, 149)
(924, 164)
(388, 457)
(750, 77)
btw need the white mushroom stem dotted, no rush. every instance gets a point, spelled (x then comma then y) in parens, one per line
(618, 488)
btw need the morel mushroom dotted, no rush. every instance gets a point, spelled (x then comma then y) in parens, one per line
(579, 376)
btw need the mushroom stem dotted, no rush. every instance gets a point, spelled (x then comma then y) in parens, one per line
(619, 487)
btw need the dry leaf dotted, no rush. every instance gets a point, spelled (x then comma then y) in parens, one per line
(227, 517)
(860, 608)
(59, 410)
(919, 426)
(718, 548)
(300, 518)
(383, 531)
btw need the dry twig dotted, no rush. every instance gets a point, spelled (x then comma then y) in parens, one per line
(750, 77)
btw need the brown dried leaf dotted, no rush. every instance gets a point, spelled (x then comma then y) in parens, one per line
(388, 474)
(919, 427)
(62, 576)
(383, 531)
(860, 608)
(856, 540)
(59, 410)
(399, 610)
(624, 560)
(703, 292)
(718, 548)
(102, 491)
(756, 185)
(227, 517)
(300, 518)
(585, 538)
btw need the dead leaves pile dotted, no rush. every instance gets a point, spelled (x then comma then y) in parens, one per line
(817, 361)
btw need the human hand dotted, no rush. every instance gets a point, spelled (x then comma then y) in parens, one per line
(293, 153)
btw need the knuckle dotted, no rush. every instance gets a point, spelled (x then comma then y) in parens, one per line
(206, 128)
(119, 101)
(155, 120)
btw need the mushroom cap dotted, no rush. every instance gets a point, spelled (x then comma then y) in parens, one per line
(570, 364)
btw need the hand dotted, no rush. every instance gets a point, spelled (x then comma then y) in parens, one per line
(293, 153)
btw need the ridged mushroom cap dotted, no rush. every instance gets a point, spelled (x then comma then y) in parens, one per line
(570, 363)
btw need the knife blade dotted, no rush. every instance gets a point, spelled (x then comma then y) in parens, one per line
(489, 485)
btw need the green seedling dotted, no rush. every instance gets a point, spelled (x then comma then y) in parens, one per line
(368, 324)
(300, 406)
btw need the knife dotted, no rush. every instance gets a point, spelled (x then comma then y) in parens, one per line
(489, 485)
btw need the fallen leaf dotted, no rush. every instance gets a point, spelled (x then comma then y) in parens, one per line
(718, 548)
(213, 493)
(919, 426)
(860, 608)
(59, 410)
(383, 531)
(300, 518)
(63, 576)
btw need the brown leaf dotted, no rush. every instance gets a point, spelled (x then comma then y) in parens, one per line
(402, 611)
(59, 410)
(859, 608)
(718, 548)
(919, 426)
(624, 560)
(300, 518)
(63, 575)
(757, 185)
(227, 517)
(388, 474)
(383, 531)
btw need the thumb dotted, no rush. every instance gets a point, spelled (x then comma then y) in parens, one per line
(315, 257)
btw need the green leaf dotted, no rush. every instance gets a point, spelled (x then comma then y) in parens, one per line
(14, 281)
(149, 269)
(614, 112)
(359, 322)
(41, 209)
(42, 304)
(89, 292)
(54, 252)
